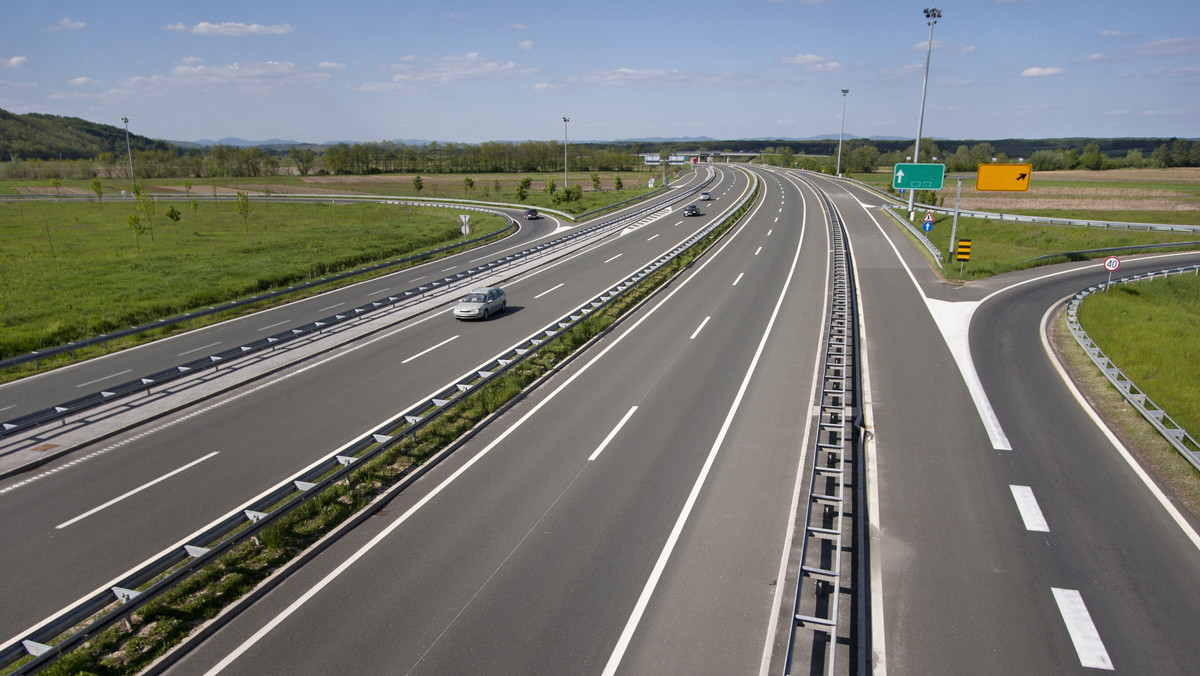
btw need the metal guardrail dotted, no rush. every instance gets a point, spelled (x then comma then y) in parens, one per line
(833, 483)
(937, 254)
(215, 360)
(114, 604)
(1020, 218)
(1175, 435)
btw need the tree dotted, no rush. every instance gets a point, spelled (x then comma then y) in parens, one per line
(617, 184)
(98, 190)
(241, 204)
(551, 187)
(468, 185)
(187, 186)
(56, 183)
(174, 214)
(418, 184)
(135, 224)
(1091, 158)
(194, 204)
(303, 159)
(595, 181)
(145, 206)
(523, 189)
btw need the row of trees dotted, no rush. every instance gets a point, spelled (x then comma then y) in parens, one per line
(857, 156)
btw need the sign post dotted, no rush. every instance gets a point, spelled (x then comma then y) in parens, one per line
(466, 229)
(1112, 264)
(963, 251)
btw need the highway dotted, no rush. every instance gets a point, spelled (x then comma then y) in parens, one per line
(79, 522)
(1024, 543)
(635, 512)
(632, 511)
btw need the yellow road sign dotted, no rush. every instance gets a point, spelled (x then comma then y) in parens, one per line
(963, 250)
(1012, 177)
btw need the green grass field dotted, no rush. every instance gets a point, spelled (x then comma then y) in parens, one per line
(71, 269)
(998, 247)
(1151, 330)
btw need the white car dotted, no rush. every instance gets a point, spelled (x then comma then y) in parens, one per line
(481, 303)
(704, 197)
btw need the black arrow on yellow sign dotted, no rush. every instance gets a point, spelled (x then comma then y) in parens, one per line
(1007, 177)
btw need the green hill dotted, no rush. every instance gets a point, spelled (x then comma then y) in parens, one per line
(46, 137)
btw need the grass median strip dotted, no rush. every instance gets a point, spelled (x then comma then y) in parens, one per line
(167, 620)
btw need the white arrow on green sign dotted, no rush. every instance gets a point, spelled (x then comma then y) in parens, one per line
(919, 176)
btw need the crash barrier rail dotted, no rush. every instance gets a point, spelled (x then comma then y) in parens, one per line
(73, 626)
(1020, 218)
(833, 484)
(104, 338)
(433, 202)
(937, 254)
(1170, 430)
(212, 361)
(1113, 249)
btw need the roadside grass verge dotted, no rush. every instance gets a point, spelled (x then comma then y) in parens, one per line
(998, 247)
(1151, 331)
(167, 620)
(74, 270)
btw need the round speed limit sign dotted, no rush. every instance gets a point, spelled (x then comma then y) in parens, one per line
(1112, 263)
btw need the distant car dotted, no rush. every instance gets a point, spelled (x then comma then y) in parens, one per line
(481, 303)
(691, 210)
(704, 197)
(532, 214)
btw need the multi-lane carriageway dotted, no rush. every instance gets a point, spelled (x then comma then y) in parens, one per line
(633, 513)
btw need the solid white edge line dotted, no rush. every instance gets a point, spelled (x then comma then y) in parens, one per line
(135, 491)
(428, 350)
(700, 328)
(1027, 505)
(1157, 492)
(325, 581)
(1083, 632)
(614, 661)
(604, 444)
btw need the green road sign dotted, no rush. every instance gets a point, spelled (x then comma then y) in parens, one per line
(919, 176)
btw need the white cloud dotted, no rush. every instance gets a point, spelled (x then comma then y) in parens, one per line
(80, 81)
(1109, 33)
(525, 45)
(1185, 71)
(251, 76)
(813, 63)
(1038, 71)
(923, 46)
(1095, 58)
(545, 87)
(962, 49)
(331, 65)
(230, 29)
(1170, 47)
(14, 62)
(65, 23)
(519, 26)
(657, 77)
(413, 73)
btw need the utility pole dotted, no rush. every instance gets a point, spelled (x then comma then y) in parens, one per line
(931, 16)
(565, 121)
(128, 151)
(842, 132)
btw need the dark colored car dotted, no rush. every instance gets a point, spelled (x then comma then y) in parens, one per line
(691, 210)
(532, 214)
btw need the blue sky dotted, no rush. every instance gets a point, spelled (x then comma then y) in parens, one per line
(473, 71)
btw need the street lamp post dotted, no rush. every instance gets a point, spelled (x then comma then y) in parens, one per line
(565, 121)
(931, 16)
(128, 151)
(842, 132)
